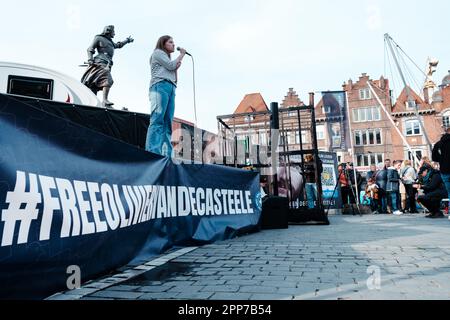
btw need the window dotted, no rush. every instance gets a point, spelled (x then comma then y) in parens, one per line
(362, 115)
(358, 138)
(413, 128)
(377, 114)
(417, 153)
(368, 137)
(262, 137)
(249, 119)
(371, 137)
(31, 87)
(446, 119)
(410, 104)
(291, 138)
(366, 114)
(305, 137)
(365, 94)
(366, 160)
(320, 132)
(378, 136)
(364, 138)
(355, 115)
(326, 109)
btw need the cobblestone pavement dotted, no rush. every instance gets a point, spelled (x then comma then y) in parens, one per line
(410, 254)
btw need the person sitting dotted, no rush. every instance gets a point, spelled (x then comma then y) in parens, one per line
(372, 196)
(434, 191)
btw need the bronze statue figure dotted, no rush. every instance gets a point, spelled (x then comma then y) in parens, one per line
(98, 75)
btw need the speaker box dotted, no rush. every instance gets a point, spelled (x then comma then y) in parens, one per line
(275, 213)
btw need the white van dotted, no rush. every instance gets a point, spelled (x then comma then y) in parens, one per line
(44, 84)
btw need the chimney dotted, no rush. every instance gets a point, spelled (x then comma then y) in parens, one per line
(382, 83)
(350, 85)
(426, 95)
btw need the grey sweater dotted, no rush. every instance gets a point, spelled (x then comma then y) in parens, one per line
(162, 68)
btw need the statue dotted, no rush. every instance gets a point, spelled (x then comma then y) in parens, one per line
(98, 75)
(432, 65)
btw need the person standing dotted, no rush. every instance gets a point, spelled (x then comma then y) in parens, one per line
(408, 176)
(387, 164)
(393, 187)
(381, 181)
(372, 172)
(346, 191)
(162, 96)
(310, 176)
(355, 183)
(441, 154)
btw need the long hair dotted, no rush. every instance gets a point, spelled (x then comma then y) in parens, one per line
(162, 42)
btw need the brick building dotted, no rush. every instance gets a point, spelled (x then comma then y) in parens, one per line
(374, 135)
(372, 130)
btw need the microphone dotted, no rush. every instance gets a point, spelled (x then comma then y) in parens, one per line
(178, 48)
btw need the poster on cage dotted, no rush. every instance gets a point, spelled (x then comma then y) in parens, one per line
(293, 182)
(337, 126)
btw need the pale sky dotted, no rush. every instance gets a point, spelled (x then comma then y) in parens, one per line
(240, 46)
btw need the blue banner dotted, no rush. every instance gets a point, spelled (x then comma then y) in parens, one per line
(70, 196)
(330, 176)
(335, 108)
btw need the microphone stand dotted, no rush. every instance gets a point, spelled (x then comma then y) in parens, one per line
(193, 81)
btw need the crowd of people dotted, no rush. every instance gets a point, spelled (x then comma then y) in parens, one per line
(397, 187)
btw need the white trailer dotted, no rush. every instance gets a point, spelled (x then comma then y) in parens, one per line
(44, 84)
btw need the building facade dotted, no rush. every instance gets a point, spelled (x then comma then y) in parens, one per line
(380, 126)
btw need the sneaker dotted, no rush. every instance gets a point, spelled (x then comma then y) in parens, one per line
(397, 213)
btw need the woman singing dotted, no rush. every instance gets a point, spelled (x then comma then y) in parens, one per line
(162, 96)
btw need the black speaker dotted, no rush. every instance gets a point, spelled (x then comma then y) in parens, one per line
(275, 213)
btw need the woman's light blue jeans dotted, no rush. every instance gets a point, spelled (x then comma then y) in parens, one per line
(159, 134)
(311, 195)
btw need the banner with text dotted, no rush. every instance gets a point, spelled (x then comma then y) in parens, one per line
(72, 197)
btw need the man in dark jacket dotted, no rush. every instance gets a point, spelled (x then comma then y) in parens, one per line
(351, 176)
(434, 190)
(381, 180)
(441, 154)
(393, 187)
